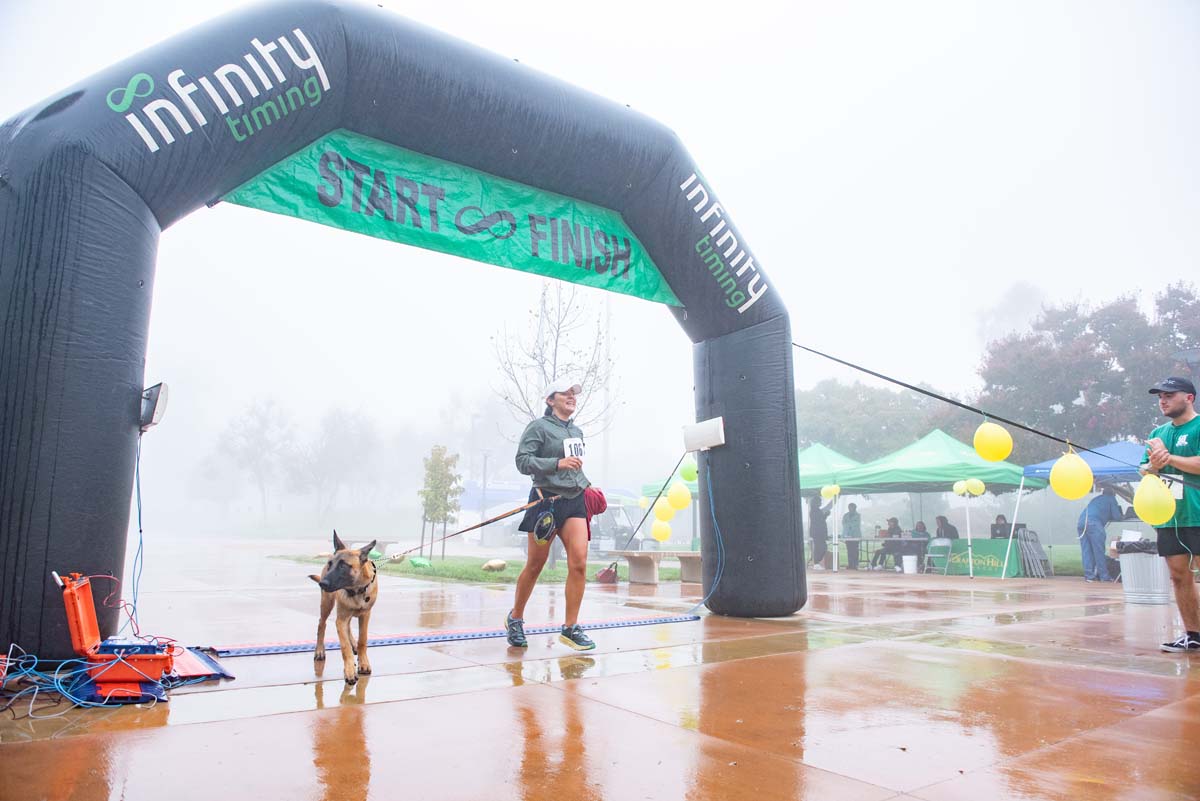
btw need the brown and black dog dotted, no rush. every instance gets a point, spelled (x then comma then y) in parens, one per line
(348, 579)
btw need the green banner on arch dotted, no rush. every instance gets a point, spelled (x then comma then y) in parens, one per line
(349, 181)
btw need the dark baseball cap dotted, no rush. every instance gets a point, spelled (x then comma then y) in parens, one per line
(1174, 384)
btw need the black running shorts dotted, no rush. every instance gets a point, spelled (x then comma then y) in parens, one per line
(564, 509)
(1179, 541)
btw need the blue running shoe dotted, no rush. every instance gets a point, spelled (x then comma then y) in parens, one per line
(515, 630)
(573, 637)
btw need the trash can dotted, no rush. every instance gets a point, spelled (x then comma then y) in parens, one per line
(1144, 574)
(910, 562)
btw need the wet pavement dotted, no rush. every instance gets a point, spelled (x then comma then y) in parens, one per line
(884, 687)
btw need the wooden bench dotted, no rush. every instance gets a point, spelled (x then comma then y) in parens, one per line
(643, 565)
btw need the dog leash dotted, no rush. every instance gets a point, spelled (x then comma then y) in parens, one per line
(487, 522)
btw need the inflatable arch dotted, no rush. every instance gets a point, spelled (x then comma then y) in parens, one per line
(352, 117)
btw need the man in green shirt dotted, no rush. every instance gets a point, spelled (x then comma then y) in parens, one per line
(551, 451)
(1173, 452)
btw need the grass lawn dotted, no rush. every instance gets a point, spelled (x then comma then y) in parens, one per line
(470, 568)
(1067, 562)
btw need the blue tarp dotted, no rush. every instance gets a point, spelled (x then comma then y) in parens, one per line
(1114, 464)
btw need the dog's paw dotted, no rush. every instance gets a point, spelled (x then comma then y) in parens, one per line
(351, 678)
(364, 670)
(319, 656)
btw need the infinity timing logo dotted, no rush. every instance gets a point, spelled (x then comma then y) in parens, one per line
(709, 245)
(159, 113)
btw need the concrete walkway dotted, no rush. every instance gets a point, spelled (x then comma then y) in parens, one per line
(884, 687)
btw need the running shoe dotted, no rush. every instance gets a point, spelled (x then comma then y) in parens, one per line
(1185, 644)
(573, 637)
(515, 629)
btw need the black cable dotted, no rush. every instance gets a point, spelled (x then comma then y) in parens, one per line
(650, 506)
(986, 415)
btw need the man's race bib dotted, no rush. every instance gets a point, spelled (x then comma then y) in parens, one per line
(1176, 488)
(574, 446)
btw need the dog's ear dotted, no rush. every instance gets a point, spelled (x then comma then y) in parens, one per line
(315, 578)
(364, 553)
(338, 545)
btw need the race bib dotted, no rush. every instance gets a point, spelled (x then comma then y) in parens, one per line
(574, 446)
(1176, 489)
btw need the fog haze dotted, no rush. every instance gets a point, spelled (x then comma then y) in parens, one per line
(915, 178)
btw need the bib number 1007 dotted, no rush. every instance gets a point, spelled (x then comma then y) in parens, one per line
(574, 447)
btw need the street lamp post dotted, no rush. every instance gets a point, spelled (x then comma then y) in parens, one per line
(483, 489)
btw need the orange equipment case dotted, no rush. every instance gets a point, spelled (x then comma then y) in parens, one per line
(116, 674)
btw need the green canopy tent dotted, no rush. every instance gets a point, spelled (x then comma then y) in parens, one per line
(933, 464)
(820, 466)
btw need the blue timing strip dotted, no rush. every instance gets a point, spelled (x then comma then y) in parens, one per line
(444, 636)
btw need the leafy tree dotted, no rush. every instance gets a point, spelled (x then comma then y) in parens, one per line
(443, 486)
(861, 421)
(341, 453)
(1081, 373)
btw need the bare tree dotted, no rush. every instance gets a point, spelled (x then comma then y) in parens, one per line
(565, 337)
(256, 442)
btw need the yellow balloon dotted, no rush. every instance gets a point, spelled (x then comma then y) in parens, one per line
(975, 486)
(993, 442)
(1071, 477)
(830, 491)
(960, 488)
(643, 502)
(679, 496)
(663, 510)
(660, 531)
(1153, 502)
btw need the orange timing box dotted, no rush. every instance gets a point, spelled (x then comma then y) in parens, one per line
(115, 668)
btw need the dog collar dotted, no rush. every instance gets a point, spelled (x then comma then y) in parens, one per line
(363, 589)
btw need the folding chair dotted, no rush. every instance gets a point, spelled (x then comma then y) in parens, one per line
(939, 548)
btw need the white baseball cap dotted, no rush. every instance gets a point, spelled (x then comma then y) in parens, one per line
(561, 385)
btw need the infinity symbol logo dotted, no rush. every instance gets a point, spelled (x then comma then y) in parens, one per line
(125, 95)
(487, 222)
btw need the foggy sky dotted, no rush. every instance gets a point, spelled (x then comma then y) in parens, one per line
(913, 177)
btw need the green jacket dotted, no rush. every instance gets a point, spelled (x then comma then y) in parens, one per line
(538, 452)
